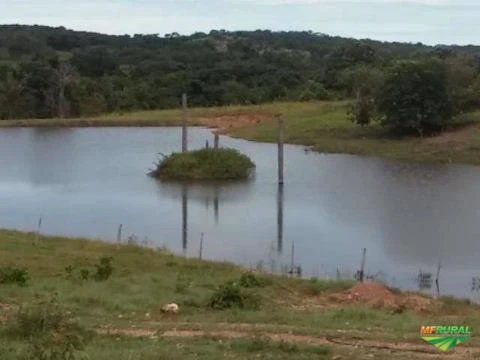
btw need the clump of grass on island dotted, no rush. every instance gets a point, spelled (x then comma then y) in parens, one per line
(205, 164)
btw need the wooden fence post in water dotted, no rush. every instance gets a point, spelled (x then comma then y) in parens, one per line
(216, 141)
(184, 123)
(281, 135)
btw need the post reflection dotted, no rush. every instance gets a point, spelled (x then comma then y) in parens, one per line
(184, 217)
(280, 219)
(215, 204)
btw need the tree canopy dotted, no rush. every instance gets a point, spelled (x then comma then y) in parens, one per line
(55, 72)
(415, 96)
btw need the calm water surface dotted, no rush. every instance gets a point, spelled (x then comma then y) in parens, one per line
(85, 182)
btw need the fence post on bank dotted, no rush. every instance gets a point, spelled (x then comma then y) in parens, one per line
(437, 282)
(201, 247)
(119, 234)
(39, 228)
(361, 273)
(184, 123)
(215, 141)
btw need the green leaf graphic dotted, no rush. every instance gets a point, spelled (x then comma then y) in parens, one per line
(445, 343)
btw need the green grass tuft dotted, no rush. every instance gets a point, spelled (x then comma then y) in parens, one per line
(205, 164)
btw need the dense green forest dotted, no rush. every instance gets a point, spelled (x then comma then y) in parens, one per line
(55, 72)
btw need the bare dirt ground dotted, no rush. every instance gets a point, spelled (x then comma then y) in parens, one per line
(343, 344)
(224, 123)
(349, 344)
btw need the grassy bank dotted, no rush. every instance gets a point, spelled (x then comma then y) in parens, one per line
(205, 164)
(322, 125)
(264, 316)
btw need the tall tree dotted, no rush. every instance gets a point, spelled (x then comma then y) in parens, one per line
(63, 75)
(415, 96)
(11, 91)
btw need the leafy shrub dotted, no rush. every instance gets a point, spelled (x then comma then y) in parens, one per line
(249, 280)
(205, 164)
(51, 332)
(230, 295)
(104, 268)
(84, 274)
(70, 272)
(11, 275)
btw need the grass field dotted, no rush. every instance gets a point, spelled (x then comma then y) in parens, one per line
(279, 318)
(322, 125)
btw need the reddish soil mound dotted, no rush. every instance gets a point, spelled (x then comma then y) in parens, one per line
(377, 295)
(372, 294)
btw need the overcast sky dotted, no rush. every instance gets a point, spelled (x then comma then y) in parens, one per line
(427, 21)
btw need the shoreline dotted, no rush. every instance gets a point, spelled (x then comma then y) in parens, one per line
(322, 127)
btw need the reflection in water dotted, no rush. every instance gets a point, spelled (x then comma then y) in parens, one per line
(184, 217)
(52, 159)
(280, 219)
(409, 216)
(215, 203)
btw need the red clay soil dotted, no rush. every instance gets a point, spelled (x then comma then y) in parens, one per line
(227, 122)
(379, 296)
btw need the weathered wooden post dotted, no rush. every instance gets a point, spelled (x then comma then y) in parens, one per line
(184, 123)
(281, 135)
(292, 270)
(361, 273)
(280, 219)
(39, 228)
(201, 247)
(119, 234)
(437, 282)
(216, 141)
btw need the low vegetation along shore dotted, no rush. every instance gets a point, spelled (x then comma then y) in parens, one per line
(324, 126)
(76, 297)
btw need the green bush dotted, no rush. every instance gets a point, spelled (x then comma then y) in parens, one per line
(104, 268)
(415, 97)
(231, 295)
(51, 332)
(103, 271)
(11, 275)
(205, 164)
(249, 280)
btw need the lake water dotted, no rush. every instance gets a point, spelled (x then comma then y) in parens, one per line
(85, 182)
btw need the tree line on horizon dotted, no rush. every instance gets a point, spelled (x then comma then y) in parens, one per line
(54, 72)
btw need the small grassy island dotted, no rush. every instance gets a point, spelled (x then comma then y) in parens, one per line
(205, 164)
